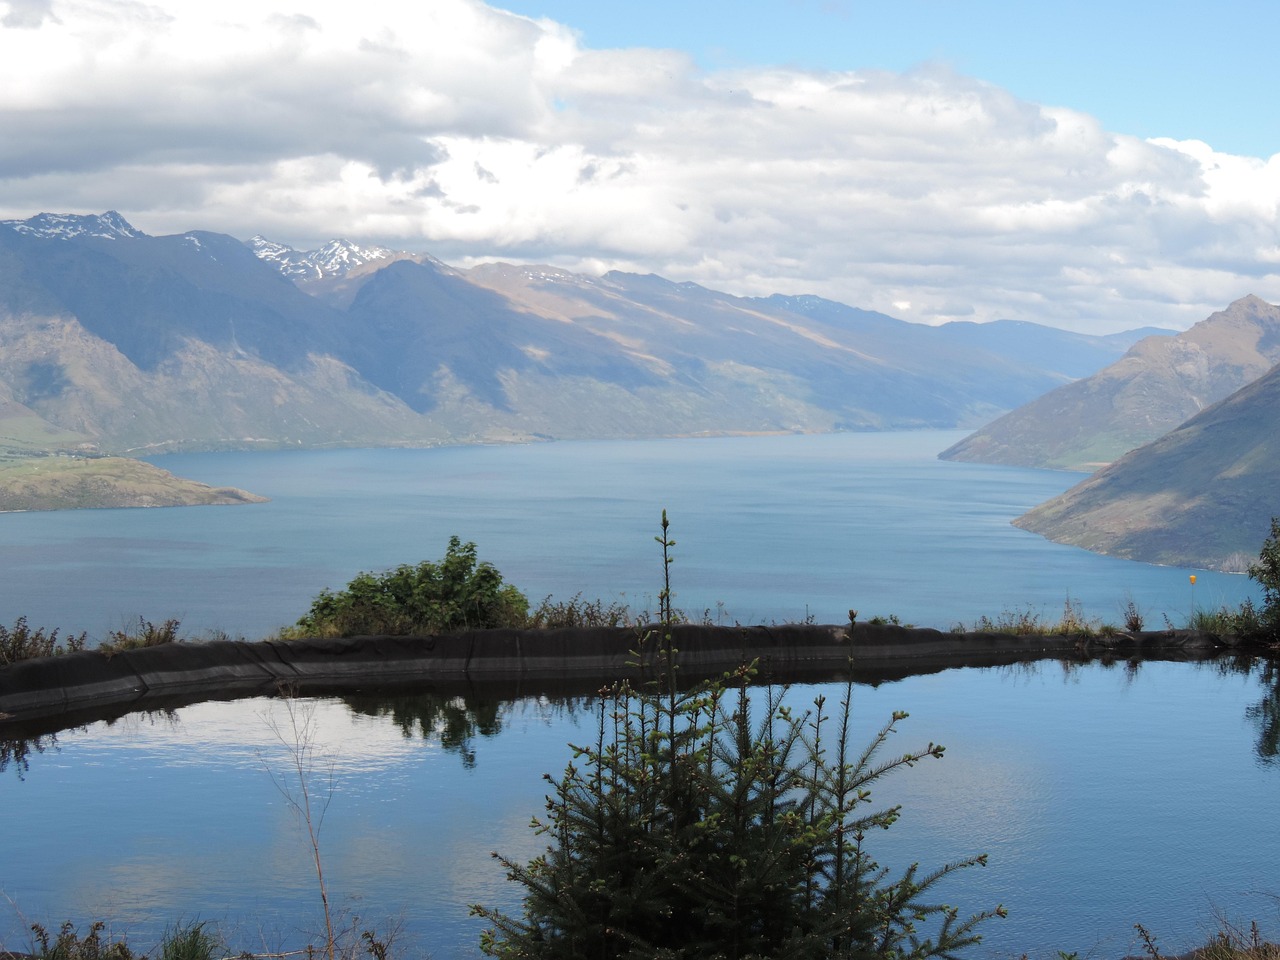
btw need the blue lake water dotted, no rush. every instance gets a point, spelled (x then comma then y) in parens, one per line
(768, 528)
(1104, 797)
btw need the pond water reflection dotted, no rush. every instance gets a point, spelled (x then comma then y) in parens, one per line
(1104, 796)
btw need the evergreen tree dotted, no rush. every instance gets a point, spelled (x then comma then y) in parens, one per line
(1266, 573)
(688, 829)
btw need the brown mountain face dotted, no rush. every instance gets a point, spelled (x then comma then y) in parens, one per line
(1158, 384)
(135, 344)
(1201, 496)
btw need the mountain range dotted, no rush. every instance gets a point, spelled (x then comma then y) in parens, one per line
(1183, 433)
(114, 341)
(1202, 495)
(1158, 384)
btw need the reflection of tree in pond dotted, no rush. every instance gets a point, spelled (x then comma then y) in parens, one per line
(18, 752)
(1266, 712)
(453, 720)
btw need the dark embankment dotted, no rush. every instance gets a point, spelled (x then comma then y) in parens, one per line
(57, 692)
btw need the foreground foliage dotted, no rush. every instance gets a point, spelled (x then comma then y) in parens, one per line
(1266, 573)
(22, 642)
(690, 829)
(457, 593)
(192, 941)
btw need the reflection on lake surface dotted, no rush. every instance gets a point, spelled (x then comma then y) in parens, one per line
(1104, 795)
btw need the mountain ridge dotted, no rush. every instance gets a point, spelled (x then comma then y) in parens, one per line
(202, 341)
(1157, 385)
(1202, 495)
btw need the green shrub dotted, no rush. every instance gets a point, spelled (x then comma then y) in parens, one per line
(458, 593)
(192, 941)
(688, 829)
(1266, 572)
(1028, 623)
(1133, 618)
(1022, 622)
(20, 642)
(144, 634)
(68, 945)
(1224, 621)
(576, 612)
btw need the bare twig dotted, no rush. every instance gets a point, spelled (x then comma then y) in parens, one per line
(298, 739)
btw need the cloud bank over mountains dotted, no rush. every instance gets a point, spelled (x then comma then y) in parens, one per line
(460, 129)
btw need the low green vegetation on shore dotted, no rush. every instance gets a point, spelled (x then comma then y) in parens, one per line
(462, 592)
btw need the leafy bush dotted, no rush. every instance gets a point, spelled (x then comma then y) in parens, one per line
(1266, 572)
(689, 830)
(458, 593)
(20, 642)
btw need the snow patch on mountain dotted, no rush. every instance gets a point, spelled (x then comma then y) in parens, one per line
(335, 259)
(66, 226)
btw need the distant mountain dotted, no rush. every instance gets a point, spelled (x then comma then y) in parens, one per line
(146, 344)
(1201, 496)
(65, 226)
(129, 343)
(335, 259)
(1157, 385)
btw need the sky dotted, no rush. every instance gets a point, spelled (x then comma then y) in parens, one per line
(1089, 165)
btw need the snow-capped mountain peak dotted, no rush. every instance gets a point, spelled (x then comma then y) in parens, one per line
(65, 226)
(334, 259)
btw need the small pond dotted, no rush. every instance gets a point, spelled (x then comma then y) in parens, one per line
(1105, 795)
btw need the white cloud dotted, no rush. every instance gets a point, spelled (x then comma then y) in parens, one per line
(457, 128)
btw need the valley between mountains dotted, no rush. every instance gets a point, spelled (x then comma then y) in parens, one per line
(115, 344)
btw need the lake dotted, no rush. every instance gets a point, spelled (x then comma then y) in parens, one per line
(1105, 796)
(768, 529)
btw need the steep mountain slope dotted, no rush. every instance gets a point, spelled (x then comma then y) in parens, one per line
(1202, 495)
(187, 342)
(199, 341)
(782, 363)
(1157, 385)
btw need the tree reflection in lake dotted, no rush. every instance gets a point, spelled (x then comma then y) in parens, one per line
(17, 753)
(454, 720)
(1266, 712)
